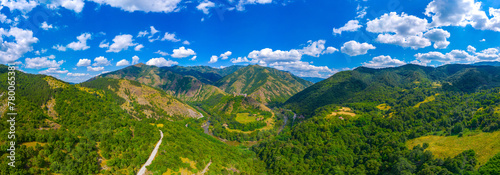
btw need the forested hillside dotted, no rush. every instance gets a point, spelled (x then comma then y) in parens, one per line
(358, 122)
(185, 87)
(266, 85)
(85, 129)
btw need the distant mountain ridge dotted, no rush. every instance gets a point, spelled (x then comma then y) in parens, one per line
(313, 79)
(487, 63)
(198, 83)
(262, 83)
(362, 82)
(186, 87)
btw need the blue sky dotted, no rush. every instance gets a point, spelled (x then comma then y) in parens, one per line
(75, 40)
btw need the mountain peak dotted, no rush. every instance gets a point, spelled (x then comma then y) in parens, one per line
(139, 65)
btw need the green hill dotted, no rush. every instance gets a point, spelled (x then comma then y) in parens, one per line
(376, 85)
(85, 129)
(266, 85)
(359, 122)
(185, 87)
(142, 101)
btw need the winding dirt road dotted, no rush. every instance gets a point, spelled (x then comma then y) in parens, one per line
(143, 169)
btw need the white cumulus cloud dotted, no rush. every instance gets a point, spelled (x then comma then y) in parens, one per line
(350, 26)
(353, 48)
(121, 42)
(161, 62)
(81, 44)
(94, 69)
(101, 61)
(135, 59)
(22, 43)
(182, 52)
(42, 62)
(165, 6)
(205, 6)
(83, 62)
(123, 62)
(383, 61)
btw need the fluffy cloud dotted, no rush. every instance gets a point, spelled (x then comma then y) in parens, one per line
(59, 47)
(291, 60)
(138, 47)
(22, 43)
(101, 61)
(182, 52)
(104, 44)
(170, 37)
(314, 48)
(383, 61)
(161, 62)
(213, 59)
(42, 62)
(75, 5)
(490, 54)
(330, 50)
(46, 26)
(205, 6)
(95, 69)
(350, 26)
(142, 33)
(225, 55)
(161, 53)
(405, 25)
(462, 13)
(471, 48)
(193, 58)
(53, 70)
(77, 74)
(241, 3)
(438, 36)
(165, 6)
(353, 48)
(304, 69)
(239, 60)
(407, 31)
(449, 12)
(186, 42)
(455, 56)
(121, 42)
(135, 59)
(268, 55)
(24, 6)
(123, 62)
(81, 44)
(83, 62)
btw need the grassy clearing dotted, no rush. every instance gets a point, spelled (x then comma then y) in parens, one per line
(383, 107)
(246, 117)
(191, 163)
(485, 144)
(428, 99)
(269, 122)
(344, 111)
(32, 144)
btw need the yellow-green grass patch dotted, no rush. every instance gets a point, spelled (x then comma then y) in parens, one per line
(383, 107)
(428, 99)
(436, 85)
(485, 144)
(344, 111)
(269, 125)
(32, 144)
(246, 117)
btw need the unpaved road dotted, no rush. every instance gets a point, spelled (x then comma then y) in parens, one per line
(151, 157)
